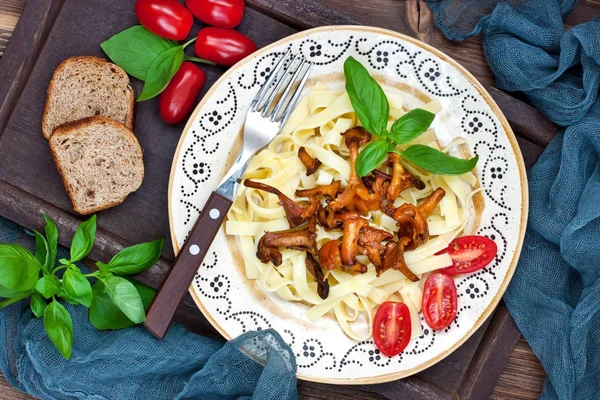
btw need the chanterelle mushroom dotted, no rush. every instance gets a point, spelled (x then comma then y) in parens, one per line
(372, 241)
(353, 223)
(311, 164)
(315, 269)
(412, 220)
(401, 179)
(271, 242)
(296, 213)
(330, 190)
(393, 258)
(330, 258)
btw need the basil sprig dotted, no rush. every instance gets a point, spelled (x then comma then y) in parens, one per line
(148, 57)
(114, 302)
(372, 108)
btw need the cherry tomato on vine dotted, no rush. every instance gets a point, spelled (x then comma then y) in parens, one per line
(220, 13)
(223, 46)
(179, 97)
(391, 328)
(469, 254)
(166, 18)
(439, 301)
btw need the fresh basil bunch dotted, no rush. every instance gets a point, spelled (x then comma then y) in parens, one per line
(372, 108)
(148, 57)
(114, 301)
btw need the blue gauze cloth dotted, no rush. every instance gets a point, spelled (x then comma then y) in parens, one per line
(554, 296)
(132, 364)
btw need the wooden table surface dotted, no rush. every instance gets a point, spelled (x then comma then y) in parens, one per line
(523, 376)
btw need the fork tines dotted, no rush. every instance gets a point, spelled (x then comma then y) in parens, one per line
(280, 93)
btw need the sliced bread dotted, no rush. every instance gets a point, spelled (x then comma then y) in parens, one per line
(99, 160)
(86, 86)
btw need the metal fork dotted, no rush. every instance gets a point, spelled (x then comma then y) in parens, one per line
(268, 112)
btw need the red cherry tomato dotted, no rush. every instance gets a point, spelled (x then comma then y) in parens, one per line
(391, 328)
(469, 254)
(439, 301)
(221, 13)
(179, 97)
(165, 18)
(223, 46)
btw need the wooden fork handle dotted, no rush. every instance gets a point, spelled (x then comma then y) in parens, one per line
(173, 289)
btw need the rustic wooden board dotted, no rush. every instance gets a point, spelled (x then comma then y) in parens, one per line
(31, 183)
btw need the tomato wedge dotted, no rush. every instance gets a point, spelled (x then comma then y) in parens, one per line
(469, 254)
(391, 328)
(439, 301)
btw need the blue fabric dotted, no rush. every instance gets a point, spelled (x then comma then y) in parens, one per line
(554, 296)
(132, 364)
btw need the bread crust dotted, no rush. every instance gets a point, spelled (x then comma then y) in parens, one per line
(58, 70)
(68, 128)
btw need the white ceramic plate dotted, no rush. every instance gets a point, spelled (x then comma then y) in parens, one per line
(211, 139)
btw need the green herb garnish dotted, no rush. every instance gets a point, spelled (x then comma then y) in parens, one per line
(372, 108)
(114, 302)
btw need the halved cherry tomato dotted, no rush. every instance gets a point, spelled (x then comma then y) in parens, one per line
(391, 328)
(179, 97)
(439, 301)
(165, 18)
(221, 13)
(469, 254)
(223, 46)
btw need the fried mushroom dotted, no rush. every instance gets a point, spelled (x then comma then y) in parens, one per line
(330, 258)
(371, 241)
(271, 242)
(401, 179)
(393, 258)
(296, 212)
(353, 223)
(315, 269)
(412, 220)
(330, 190)
(311, 164)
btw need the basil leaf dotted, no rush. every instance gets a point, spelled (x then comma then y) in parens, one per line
(59, 327)
(67, 297)
(83, 240)
(104, 314)
(52, 239)
(135, 49)
(371, 156)
(48, 286)
(436, 162)
(367, 97)
(77, 287)
(19, 269)
(162, 69)
(8, 293)
(38, 305)
(41, 251)
(103, 268)
(411, 125)
(126, 297)
(136, 259)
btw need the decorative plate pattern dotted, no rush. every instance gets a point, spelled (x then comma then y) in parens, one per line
(211, 137)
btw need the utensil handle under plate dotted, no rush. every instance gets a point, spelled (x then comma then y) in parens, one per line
(176, 284)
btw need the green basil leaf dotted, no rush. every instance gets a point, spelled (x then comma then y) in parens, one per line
(103, 268)
(8, 293)
(52, 239)
(371, 156)
(42, 251)
(411, 125)
(77, 287)
(104, 314)
(19, 269)
(135, 49)
(436, 162)
(48, 286)
(59, 327)
(136, 259)
(162, 69)
(38, 305)
(83, 240)
(65, 296)
(126, 298)
(367, 97)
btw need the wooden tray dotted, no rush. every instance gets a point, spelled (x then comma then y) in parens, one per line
(50, 31)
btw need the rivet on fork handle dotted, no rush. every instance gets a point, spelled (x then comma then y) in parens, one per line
(175, 286)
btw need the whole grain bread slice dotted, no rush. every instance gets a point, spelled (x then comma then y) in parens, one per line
(99, 160)
(86, 86)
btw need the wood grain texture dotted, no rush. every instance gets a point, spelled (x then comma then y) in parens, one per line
(400, 16)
